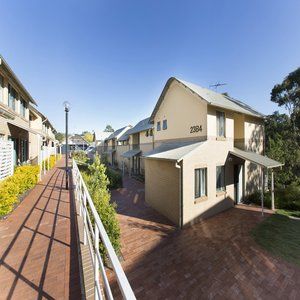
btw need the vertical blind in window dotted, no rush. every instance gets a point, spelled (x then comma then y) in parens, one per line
(200, 182)
(220, 178)
(165, 124)
(12, 96)
(22, 107)
(220, 124)
(1, 88)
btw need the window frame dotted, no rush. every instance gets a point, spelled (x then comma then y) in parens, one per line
(165, 124)
(197, 186)
(14, 97)
(223, 180)
(158, 126)
(218, 113)
(1, 88)
(23, 107)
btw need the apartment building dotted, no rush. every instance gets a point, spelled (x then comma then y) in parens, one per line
(20, 122)
(207, 155)
(110, 145)
(136, 141)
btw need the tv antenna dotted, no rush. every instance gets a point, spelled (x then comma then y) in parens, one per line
(216, 85)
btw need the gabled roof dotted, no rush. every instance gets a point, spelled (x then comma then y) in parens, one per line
(116, 134)
(16, 79)
(211, 97)
(101, 135)
(142, 125)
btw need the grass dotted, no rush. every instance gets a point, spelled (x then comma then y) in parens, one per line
(289, 213)
(280, 235)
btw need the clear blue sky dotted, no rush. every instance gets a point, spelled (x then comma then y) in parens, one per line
(111, 59)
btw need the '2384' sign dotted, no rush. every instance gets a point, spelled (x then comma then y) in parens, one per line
(196, 128)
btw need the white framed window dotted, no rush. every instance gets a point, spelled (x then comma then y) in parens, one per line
(165, 125)
(12, 96)
(200, 182)
(23, 106)
(158, 126)
(1, 88)
(220, 178)
(220, 116)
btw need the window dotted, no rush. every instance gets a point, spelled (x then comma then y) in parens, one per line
(158, 126)
(200, 182)
(151, 132)
(165, 124)
(220, 178)
(12, 96)
(1, 88)
(147, 133)
(220, 123)
(23, 107)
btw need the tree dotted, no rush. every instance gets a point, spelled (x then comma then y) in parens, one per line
(89, 137)
(287, 94)
(59, 136)
(282, 145)
(108, 128)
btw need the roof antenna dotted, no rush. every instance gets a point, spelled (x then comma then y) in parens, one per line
(216, 85)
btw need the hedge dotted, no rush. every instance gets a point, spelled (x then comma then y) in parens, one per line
(24, 178)
(97, 183)
(285, 198)
(52, 161)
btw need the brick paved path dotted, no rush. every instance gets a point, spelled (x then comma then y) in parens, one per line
(38, 248)
(214, 259)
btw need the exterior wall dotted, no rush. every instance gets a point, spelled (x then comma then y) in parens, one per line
(182, 109)
(119, 151)
(209, 155)
(162, 188)
(254, 134)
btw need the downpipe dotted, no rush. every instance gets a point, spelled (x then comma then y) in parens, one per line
(179, 166)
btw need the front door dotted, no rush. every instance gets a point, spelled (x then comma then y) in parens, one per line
(238, 183)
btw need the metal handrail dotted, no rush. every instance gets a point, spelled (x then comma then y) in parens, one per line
(92, 240)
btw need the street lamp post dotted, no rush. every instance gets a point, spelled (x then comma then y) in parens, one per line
(67, 109)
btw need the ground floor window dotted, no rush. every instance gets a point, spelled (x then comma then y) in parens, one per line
(200, 182)
(220, 178)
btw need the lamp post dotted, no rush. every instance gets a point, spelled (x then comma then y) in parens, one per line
(67, 109)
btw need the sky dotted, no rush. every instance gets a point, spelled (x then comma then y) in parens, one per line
(111, 59)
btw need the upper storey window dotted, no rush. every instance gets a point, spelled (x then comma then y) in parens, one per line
(1, 88)
(23, 107)
(165, 124)
(12, 97)
(158, 126)
(220, 115)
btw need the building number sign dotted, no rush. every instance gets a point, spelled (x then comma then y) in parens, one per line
(195, 129)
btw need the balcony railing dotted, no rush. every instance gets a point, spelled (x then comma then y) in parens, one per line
(92, 234)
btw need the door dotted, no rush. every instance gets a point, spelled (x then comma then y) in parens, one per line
(238, 183)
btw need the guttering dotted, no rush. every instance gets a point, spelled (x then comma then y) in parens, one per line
(178, 165)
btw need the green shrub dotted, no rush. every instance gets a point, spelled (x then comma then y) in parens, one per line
(24, 178)
(285, 198)
(115, 179)
(52, 162)
(80, 156)
(97, 183)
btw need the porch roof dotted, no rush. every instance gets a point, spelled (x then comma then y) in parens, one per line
(256, 158)
(172, 151)
(131, 153)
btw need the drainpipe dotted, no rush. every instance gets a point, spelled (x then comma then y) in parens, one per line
(179, 166)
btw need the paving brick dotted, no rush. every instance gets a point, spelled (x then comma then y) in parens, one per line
(38, 247)
(214, 259)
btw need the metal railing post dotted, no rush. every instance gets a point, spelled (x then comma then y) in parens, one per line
(84, 220)
(96, 262)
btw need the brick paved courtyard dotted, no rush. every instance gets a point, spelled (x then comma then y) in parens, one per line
(38, 250)
(214, 259)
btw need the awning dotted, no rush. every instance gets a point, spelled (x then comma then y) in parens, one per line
(131, 153)
(25, 128)
(256, 158)
(172, 151)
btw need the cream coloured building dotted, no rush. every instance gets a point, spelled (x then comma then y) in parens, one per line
(136, 141)
(16, 117)
(207, 155)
